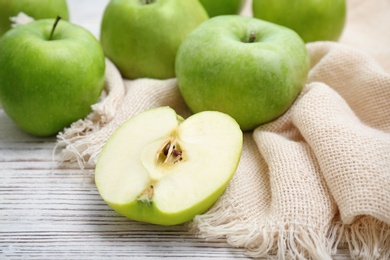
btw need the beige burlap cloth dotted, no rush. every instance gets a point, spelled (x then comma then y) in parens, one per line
(317, 176)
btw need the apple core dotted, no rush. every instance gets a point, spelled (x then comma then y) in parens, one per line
(170, 153)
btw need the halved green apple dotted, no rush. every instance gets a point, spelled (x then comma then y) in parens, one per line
(162, 169)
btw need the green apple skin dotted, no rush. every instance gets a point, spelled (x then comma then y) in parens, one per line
(219, 68)
(45, 85)
(37, 9)
(313, 20)
(211, 145)
(142, 39)
(222, 7)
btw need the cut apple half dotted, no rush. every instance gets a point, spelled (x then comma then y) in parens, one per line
(162, 169)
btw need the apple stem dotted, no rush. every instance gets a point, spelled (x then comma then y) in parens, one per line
(252, 37)
(146, 2)
(54, 27)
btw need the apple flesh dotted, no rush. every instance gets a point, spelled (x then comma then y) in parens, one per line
(162, 169)
(49, 78)
(222, 7)
(37, 9)
(251, 69)
(141, 37)
(313, 20)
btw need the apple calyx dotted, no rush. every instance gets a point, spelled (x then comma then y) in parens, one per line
(147, 195)
(54, 27)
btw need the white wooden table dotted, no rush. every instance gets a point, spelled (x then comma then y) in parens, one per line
(52, 211)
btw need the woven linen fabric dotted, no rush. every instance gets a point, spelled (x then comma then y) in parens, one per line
(317, 176)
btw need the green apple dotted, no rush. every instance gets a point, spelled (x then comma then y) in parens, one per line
(222, 7)
(251, 69)
(141, 37)
(313, 20)
(162, 169)
(37, 9)
(50, 76)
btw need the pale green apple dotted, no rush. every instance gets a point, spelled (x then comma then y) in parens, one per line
(222, 7)
(313, 20)
(37, 9)
(141, 37)
(162, 169)
(251, 69)
(49, 80)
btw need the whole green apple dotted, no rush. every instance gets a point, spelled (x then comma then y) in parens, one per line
(222, 7)
(141, 37)
(50, 76)
(251, 69)
(162, 169)
(313, 20)
(37, 9)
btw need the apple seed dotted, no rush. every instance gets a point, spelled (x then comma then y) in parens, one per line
(166, 148)
(169, 153)
(176, 153)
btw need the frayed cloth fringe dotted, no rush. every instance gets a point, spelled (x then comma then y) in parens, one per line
(366, 238)
(279, 241)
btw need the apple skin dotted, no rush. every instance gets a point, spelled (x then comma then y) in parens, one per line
(142, 39)
(222, 7)
(254, 82)
(313, 20)
(37, 9)
(211, 143)
(45, 85)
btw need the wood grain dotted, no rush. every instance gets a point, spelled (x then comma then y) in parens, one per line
(50, 210)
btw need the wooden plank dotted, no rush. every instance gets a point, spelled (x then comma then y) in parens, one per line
(51, 211)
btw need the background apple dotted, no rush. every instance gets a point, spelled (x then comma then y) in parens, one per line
(313, 20)
(142, 37)
(248, 68)
(37, 9)
(162, 169)
(222, 7)
(46, 83)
